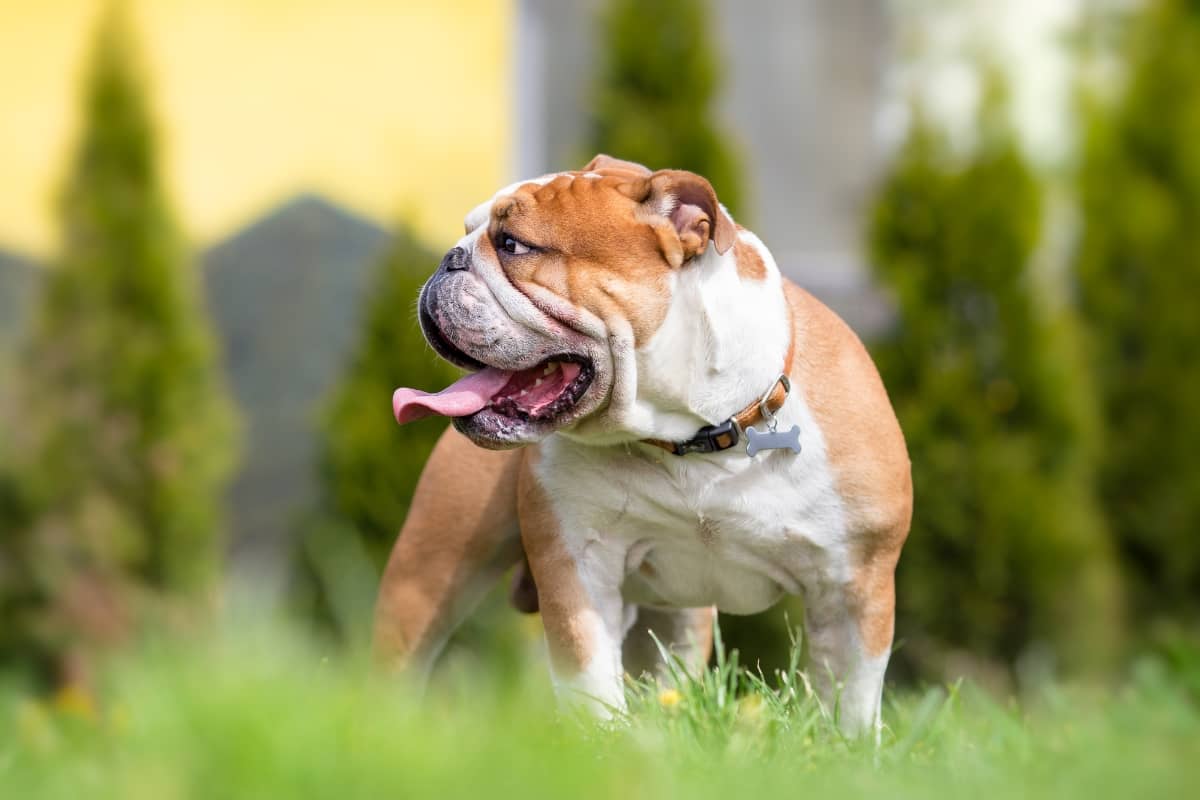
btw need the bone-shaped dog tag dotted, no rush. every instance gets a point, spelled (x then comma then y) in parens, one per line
(773, 440)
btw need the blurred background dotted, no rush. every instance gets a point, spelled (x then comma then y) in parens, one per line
(217, 214)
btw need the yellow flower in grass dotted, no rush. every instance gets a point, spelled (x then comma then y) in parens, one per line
(669, 698)
(73, 700)
(750, 707)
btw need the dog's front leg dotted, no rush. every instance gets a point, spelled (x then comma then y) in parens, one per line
(578, 585)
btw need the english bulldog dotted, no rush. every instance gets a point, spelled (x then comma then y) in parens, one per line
(655, 423)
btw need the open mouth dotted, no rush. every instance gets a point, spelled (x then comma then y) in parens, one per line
(527, 399)
(544, 392)
(541, 393)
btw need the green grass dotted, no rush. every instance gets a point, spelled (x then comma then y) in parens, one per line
(263, 716)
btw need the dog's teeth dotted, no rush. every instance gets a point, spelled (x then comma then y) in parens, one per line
(539, 382)
(523, 392)
(549, 368)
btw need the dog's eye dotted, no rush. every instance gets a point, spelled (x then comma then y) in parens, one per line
(511, 245)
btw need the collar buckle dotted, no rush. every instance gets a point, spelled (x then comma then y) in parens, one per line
(711, 439)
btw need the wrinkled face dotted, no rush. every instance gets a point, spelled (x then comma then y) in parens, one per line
(554, 286)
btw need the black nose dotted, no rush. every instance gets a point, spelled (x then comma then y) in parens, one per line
(455, 260)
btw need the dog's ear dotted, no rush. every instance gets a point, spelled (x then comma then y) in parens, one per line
(690, 202)
(601, 161)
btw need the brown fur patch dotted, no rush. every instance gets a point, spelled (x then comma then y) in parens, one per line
(595, 246)
(874, 600)
(866, 452)
(606, 241)
(750, 265)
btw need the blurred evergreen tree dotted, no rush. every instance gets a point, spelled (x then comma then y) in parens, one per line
(653, 101)
(369, 465)
(1008, 553)
(122, 433)
(1138, 272)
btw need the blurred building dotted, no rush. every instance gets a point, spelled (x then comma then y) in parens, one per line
(802, 94)
(307, 260)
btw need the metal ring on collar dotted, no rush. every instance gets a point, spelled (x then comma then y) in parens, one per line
(763, 408)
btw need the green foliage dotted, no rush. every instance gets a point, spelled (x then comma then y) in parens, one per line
(653, 100)
(259, 716)
(1007, 550)
(1138, 271)
(121, 432)
(369, 465)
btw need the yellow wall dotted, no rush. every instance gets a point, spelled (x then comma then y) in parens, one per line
(387, 106)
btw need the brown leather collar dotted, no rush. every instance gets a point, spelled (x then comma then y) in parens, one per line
(724, 435)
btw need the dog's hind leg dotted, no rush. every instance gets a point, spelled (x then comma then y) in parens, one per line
(685, 632)
(460, 536)
(849, 633)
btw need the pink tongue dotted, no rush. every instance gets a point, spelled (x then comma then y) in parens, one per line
(460, 399)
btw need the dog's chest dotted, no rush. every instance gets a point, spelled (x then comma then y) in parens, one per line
(723, 530)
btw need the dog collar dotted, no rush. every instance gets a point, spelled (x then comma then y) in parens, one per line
(724, 435)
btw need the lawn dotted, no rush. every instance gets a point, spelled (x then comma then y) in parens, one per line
(264, 716)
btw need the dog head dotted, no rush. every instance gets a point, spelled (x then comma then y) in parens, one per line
(556, 292)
